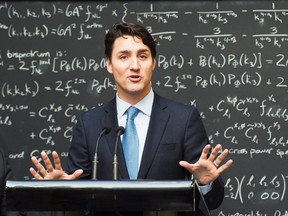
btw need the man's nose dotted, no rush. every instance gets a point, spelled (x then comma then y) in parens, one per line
(134, 64)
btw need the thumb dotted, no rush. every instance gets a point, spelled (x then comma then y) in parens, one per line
(188, 166)
(76, 174)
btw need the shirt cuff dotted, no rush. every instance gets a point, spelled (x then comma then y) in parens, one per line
(205, 188)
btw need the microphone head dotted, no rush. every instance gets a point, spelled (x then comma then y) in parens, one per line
(104, 131)
(107, 130)
(120, 130)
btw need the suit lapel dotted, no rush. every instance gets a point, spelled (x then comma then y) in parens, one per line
(157, 125)
(110, 119)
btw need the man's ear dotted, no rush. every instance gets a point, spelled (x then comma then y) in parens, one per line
(154, 62)
(108, 65)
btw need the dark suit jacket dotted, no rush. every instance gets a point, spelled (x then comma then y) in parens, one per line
(175, 133)
(5, 173)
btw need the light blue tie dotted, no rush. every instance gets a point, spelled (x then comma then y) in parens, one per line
(131, 144)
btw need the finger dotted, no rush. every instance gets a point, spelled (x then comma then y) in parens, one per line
(77, 173)
(225, 166)
(222, 156)
(214, 153)
(205, 152)
(47, 162)
(57, 161)
(188, 166)
(35, 174)
(184, 164)
(38, 165)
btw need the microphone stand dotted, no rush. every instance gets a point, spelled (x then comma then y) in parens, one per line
(105, 130)
(119, 132)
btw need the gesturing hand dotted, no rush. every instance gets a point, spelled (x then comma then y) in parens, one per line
(207, 169)
(50, 172)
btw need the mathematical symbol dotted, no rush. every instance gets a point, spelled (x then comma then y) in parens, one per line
(190, 63)
(192, 103)
(11, 67)
(114, 13)
(48, 88)
(269, 82)
(32, 114)
(32, 135)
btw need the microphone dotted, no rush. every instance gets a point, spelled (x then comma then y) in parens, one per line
(104, 131)
(120, 130)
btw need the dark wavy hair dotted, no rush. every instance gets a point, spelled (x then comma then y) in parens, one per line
(130, 29)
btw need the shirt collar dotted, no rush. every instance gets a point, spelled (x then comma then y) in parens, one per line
(145, 105)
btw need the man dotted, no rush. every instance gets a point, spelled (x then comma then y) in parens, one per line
(172, 138)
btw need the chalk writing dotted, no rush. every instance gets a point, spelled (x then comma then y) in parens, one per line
(227, 58)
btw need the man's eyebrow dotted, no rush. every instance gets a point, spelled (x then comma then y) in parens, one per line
(123, 51)
(143, 50)
(138, 51)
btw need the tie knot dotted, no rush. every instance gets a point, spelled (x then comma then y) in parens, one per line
(132, 112)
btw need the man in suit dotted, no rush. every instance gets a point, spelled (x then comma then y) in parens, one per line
(173, 144)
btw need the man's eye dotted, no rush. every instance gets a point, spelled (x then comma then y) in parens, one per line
(143, 57)
(123, 57)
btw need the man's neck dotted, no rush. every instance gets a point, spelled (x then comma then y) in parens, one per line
(133, 98)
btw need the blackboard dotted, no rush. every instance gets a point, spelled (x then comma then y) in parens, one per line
(228, 58)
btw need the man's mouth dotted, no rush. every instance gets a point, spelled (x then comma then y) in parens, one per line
(134, 78)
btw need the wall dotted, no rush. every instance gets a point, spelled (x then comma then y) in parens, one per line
(228, 58)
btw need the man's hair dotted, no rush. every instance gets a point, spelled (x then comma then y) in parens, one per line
(128, 29)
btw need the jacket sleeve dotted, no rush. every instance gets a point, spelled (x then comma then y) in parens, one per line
(196, 139)
(5, 174)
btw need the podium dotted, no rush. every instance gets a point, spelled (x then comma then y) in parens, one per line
(104, 196)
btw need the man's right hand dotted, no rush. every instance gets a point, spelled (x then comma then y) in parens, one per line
(50, 172)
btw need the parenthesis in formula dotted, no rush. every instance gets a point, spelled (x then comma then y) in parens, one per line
(37, 88)
(54, 65)
(211, 79)
(209, 61)
(242, 78)
(73, 63)
(46, 30)
(224, 78)
(85, 63)
(2, 90)
(255, 60)
(241, 59)
(125, 12)
(224, 60)
(9, 11)
(239, 188)
(54, 9)
(259, 60)
(9, 31)
(259, 79)
(284, 186)
(182, 61)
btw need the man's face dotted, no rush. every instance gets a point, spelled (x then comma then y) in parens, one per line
(132, 66)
